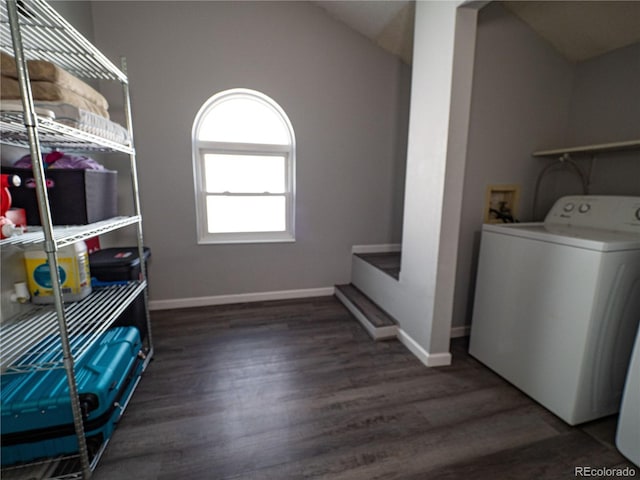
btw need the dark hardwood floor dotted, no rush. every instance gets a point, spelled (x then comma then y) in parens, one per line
(297, 390)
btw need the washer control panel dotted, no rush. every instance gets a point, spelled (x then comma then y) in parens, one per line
(603, 212)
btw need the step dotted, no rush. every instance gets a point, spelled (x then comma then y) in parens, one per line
(378, 324)
(388, 262)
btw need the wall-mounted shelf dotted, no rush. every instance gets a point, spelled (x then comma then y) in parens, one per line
(590, 149)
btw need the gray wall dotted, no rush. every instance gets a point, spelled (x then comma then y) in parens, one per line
(605, 107)
(77, 13)
(605, 103)
(520, 102)
(345, 97)
(526, 97)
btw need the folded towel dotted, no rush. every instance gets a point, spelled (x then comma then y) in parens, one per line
(8, 65)
(41, 70)
(10, 90)
(75, 117)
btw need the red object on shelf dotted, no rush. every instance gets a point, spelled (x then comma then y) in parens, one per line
(8, 225)
(6, 181)
(18, 216)
(93, 244)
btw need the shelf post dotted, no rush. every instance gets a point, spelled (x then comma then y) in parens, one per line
(136, 199)
(31, 125)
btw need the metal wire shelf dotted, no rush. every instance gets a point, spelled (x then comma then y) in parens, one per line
(46, 35)
(32, 30)
(30, 335)
(53, 135)
(67, 235)
(62, 468)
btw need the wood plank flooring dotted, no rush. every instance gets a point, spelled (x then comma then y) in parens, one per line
(296, 389)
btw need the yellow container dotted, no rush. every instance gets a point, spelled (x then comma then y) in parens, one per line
(73, 268)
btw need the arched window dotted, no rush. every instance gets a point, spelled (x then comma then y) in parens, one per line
(244, 169)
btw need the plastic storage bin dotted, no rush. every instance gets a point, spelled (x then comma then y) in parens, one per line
(122, 264)
(76, 196)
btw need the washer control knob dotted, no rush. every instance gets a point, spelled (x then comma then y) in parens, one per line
(638, 214)
(584, 208)
(569, 207)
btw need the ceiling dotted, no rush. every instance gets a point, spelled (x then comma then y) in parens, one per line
(579, 30)
(389, 23)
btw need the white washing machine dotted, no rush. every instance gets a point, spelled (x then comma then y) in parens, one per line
(557, 304)
(628, 434)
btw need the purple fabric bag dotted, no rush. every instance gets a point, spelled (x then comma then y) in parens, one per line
(62, 161)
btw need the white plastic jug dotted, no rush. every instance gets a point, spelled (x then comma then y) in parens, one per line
(73, 268)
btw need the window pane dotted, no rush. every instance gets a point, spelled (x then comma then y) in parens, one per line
(244, 173)
(244, 120)
(245, 214)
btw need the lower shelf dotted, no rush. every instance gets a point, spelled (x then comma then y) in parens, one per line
(58, 468)
(65, 467)
(37, 330)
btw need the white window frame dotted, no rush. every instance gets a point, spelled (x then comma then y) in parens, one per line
(202, 147)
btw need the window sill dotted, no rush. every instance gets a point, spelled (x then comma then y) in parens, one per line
(246, 240)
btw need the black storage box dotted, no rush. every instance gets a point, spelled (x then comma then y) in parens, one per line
(76, 196)
(116, 264)
(122, 264)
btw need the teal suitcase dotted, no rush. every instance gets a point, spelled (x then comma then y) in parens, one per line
(36, 416)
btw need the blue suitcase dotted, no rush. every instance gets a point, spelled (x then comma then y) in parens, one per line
(37, 421)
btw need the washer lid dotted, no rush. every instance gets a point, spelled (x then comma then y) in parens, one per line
(579, 237)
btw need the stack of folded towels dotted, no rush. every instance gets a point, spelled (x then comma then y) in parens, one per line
(50, 83)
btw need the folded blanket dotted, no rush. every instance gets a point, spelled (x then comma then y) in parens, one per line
(10, 90)
(41, 70)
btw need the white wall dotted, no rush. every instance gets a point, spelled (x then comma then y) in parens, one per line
(344, 96)
(421, 301)
(426, 160)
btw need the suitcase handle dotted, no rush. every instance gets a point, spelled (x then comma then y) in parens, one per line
(88, 403)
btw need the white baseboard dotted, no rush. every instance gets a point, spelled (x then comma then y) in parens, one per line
(463, 331)
(239, 298)
(429, 359)
(382, 248)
